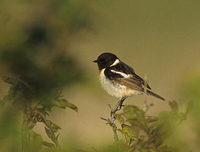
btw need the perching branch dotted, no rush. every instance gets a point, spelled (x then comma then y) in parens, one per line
(114, 128)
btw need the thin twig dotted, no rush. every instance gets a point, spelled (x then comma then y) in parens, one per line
(24, 129)
(112, 115)
(23, 132)
(114, 128)
(116, 138)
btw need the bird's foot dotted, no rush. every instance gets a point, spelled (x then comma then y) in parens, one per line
(120, 106)
(108, 121)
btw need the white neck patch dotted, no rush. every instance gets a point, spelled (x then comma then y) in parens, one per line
(116, 62)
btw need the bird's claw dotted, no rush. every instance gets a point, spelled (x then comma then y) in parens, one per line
(108, 121)
(120, 106)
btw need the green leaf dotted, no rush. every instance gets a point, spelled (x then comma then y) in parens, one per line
(54, 127)
(150, 119)
(57, 136)
(9, 80)
(35, 141)
(117, 146)
(132, 112)
(181, 116)
(137, 123)
(14, 95)
(120, 131)
(49, 134)
(134, 116)
(63, 103)
(119, 119)
(31, 124)
(189, 107)
(48, 144)
(173, 105)
(126, 129)
(165, 126)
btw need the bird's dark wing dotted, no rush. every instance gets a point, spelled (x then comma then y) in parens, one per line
(132, 81)
(122, 67)
(124, 74)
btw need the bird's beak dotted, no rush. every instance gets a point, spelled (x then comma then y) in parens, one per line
(95, 61)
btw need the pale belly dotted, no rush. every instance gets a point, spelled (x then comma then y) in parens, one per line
(115, 89)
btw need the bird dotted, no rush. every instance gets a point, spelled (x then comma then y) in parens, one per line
(120, 80)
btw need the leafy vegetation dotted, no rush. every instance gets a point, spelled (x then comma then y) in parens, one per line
(35, 110)
(35, 63)
(143, 133)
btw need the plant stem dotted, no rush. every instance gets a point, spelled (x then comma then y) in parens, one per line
(25, 136)
(116, 138)
(54, 139)
(22, 133)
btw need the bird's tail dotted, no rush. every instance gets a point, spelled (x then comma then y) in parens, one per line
(155, 95)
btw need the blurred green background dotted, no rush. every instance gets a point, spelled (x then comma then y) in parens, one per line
(51, 44)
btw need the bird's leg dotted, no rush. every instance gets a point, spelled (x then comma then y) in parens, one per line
(121, 103)
(113, 111)
(118, 106)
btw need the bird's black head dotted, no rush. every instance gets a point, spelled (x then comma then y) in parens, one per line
(105, 60)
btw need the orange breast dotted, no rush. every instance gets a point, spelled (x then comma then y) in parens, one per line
(100, 71)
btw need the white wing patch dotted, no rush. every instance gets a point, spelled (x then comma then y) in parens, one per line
(121, 73)
(116, 62)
